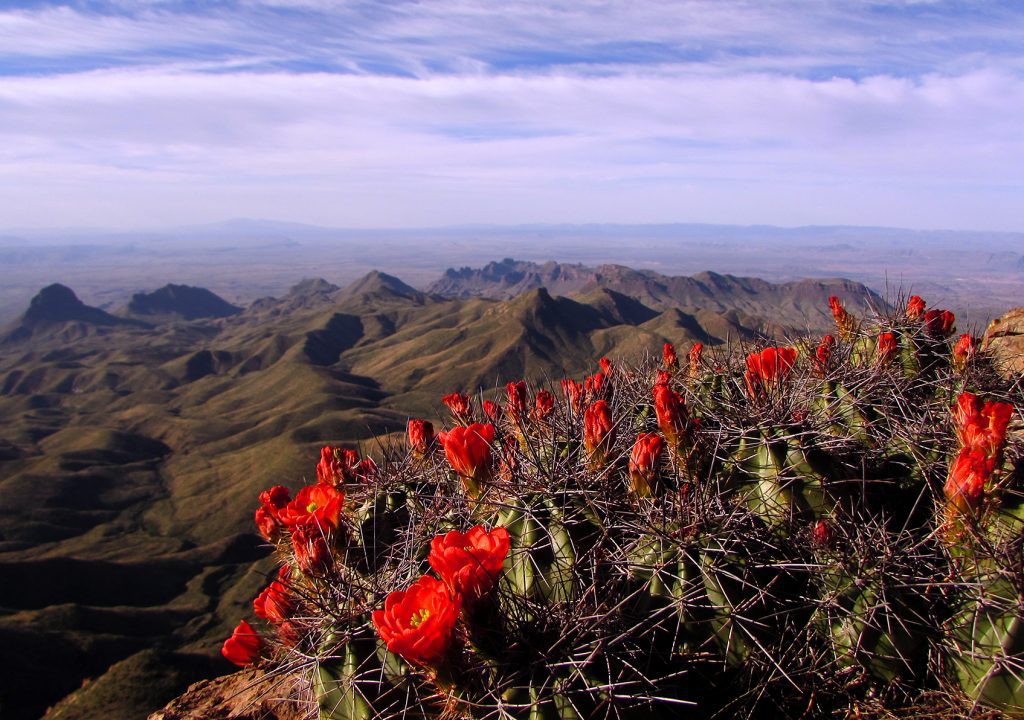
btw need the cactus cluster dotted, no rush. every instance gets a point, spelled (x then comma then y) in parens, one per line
(827, 527)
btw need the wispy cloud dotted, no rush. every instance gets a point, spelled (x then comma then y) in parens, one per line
(363, 113)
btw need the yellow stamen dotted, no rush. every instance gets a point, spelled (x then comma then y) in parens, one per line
(312, 507)
(419, 617)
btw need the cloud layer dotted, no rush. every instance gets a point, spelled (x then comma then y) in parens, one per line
(405, 114)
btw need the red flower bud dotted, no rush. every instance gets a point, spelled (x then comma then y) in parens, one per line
(980, 425)
(823, 355)
(312, 551)
(275, 604)
(244, 647)
(673, 418)
(594, 387)
(468, 450)
(573, 392)
(470, 563)
(421, 437)
(336, 465)
(845, 322)
(821, 533)
(268, 520)
(606, 366)
(462, 409)
(598, 433)
(768, 369)
(493, 411)
(694, 359)
(668, 354)
(965, 486)
(939, 324)
(517, 399)
(417, 623)
(544, 405)
(886, 348)
(643, 463)
(964, 351)
(915, 307)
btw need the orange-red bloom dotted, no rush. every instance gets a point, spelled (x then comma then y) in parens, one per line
(915, 307)
(965, 486)
(493, 411)
(823, 355)
(669, 356)
(643, 463)
(244, 647)
(885, 351)
(312, 551)
(598, 433)
(468, 450)
(768, 369)
(694, 359)
(982, 425)
(573, 392)
(544, 405)
(320, 503)
(670, 409)
(470, 563)
(845, 322)
(417, 623)
(421, 437)
(939, 324)
(268, 520)
(275, 603)
(517, 399)
(963, 352)
(462, 409)
(337, 465)
(606, 366)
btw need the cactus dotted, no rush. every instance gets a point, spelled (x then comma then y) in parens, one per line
(779, 532)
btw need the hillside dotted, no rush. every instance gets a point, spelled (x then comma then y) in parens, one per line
(131, 453)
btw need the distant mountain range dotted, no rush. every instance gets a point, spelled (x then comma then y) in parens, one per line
(134, 443)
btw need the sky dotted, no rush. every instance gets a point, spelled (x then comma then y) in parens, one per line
(348, 113)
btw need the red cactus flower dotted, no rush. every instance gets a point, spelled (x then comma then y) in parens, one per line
(421, 437)
(468, 450)
(981, 425)
(768, 369)
(885, 350)
(470, 563)
(821, 533)
(598, 433)
(460, 405)
(417, 623)
(336, 465)
(268, 519)
(311, 548)
(965, 486)
(663, 378)
(275, 603)
(939, 324)
(643, 463)
(963, 352)
(669, 357)
(670, 409)
(845, 322)
(517, 400)
(320, 503)
(244, 647)
(694, 359)
(573, 392)
(823, 355)
(493, 411)
(915, 307)
(366, 470)
(544, 405)
(594, 386)
(606, 366)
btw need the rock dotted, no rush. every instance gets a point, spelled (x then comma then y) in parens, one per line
(249, 694)
(1004, 338)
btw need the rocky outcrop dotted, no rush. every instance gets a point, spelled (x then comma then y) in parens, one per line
(245, 695)
(1004, 338)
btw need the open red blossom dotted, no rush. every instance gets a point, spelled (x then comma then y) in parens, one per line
(915, 307)
(493, 411)
(417, 623)
(275, 603)
(823, 355)
(459, 404)
(421, 437)
(965, 486)
(573, 392)
(311, 548)
(939, 324)
(885, 350)
(468, 450)
(544, 405)
(963, 352)
(598, 433)
(606, 366)
(670, 409)
(320, 503)
(643, 463)
(845, 322)
(470, 563)
(244, 647)
(768, 369)
(517, 400)
(668, 354)
(982, 425)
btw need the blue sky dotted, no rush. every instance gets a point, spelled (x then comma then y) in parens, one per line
(144, 113)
